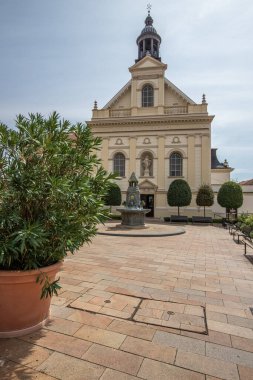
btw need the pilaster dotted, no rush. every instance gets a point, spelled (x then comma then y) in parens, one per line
(161, 163)
(191, 161)
(132, 155)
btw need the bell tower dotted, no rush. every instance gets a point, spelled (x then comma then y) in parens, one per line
(149, 40)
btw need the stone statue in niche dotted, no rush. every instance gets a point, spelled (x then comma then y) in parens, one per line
(146, 163)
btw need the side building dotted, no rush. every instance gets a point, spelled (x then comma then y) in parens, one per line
(152, 128)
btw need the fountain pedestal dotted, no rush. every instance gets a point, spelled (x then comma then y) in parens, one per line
(133, 214)
(133, 218)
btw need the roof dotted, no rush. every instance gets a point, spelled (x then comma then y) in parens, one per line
(247, 182)
(215, 163)
(128, 85)
(178, 91)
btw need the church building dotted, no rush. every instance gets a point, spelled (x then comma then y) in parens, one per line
(152, 128)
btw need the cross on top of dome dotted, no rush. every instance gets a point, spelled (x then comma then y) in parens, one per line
(149, 40)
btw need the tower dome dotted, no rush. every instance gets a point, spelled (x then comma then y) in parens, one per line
(149, 40)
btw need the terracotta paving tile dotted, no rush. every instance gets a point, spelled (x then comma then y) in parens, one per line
(229, 354)
(58, 342)
(242, 343)
(14, 371)
(213, 336)
(202, 267)
(96, 335)
(63, 326)
(111, 374)
(226, 310)
(245, 373)
(115, 359)
(60, 312)
(24, 353)
(151, 370)
(178, 341)
(87, 318)
(65, 367)
(74, 288)
(206, 365)
(83, 305)
(149, 349)
(231, 329)
(243, 322)
(219, 317)
(115, 313)
(132, 329)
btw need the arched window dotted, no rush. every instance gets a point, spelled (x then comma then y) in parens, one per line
(119, 164)
(176, 165)
(147, 96)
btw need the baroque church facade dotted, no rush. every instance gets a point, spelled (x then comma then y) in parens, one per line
(152, 128)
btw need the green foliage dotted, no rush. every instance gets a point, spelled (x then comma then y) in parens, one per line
(245, 223)
(179, 194)
(230, 195)
(51, 191)
(113, 196)
(205, 196)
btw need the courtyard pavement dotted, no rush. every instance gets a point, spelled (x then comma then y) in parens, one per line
(131, 308)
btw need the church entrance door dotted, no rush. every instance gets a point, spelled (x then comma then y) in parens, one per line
(149, 203)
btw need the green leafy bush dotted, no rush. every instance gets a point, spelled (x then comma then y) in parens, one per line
(205, 197)
(230, 195)
(179, 194)
(113, 196)
(245, 223)
(51, 190)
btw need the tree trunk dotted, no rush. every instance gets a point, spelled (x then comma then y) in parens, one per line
(178, 211)
(204, 211)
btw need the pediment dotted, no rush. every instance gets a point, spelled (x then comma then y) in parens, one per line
(147, 185)
(119, 94)
(148, 62)
(178, 92)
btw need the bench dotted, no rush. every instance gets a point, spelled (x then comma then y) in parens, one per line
(202, 219)
(179, 218)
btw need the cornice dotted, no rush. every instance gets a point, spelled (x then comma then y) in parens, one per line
(160, 119)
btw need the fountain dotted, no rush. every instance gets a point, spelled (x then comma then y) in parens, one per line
(133, 213)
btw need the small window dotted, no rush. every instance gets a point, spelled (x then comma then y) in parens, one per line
(119, 164)
(147, 96)
(176, 165)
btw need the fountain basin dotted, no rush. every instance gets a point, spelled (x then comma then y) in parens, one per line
(133, 217)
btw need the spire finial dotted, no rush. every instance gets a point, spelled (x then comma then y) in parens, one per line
(149, 6)
(95, 105)
(203, 99)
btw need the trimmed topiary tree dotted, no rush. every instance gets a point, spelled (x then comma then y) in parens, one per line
(230, 196)
(205, 197)
(179, 194)
(113, 196)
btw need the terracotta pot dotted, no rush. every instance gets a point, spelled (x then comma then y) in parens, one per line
(21, 309)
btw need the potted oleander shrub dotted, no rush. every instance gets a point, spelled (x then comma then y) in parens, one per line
(205, 197)
(52, 187)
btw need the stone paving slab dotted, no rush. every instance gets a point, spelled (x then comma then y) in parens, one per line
(171, 314)
(201, 268)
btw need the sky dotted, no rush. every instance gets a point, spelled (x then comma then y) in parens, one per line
(64, 54)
